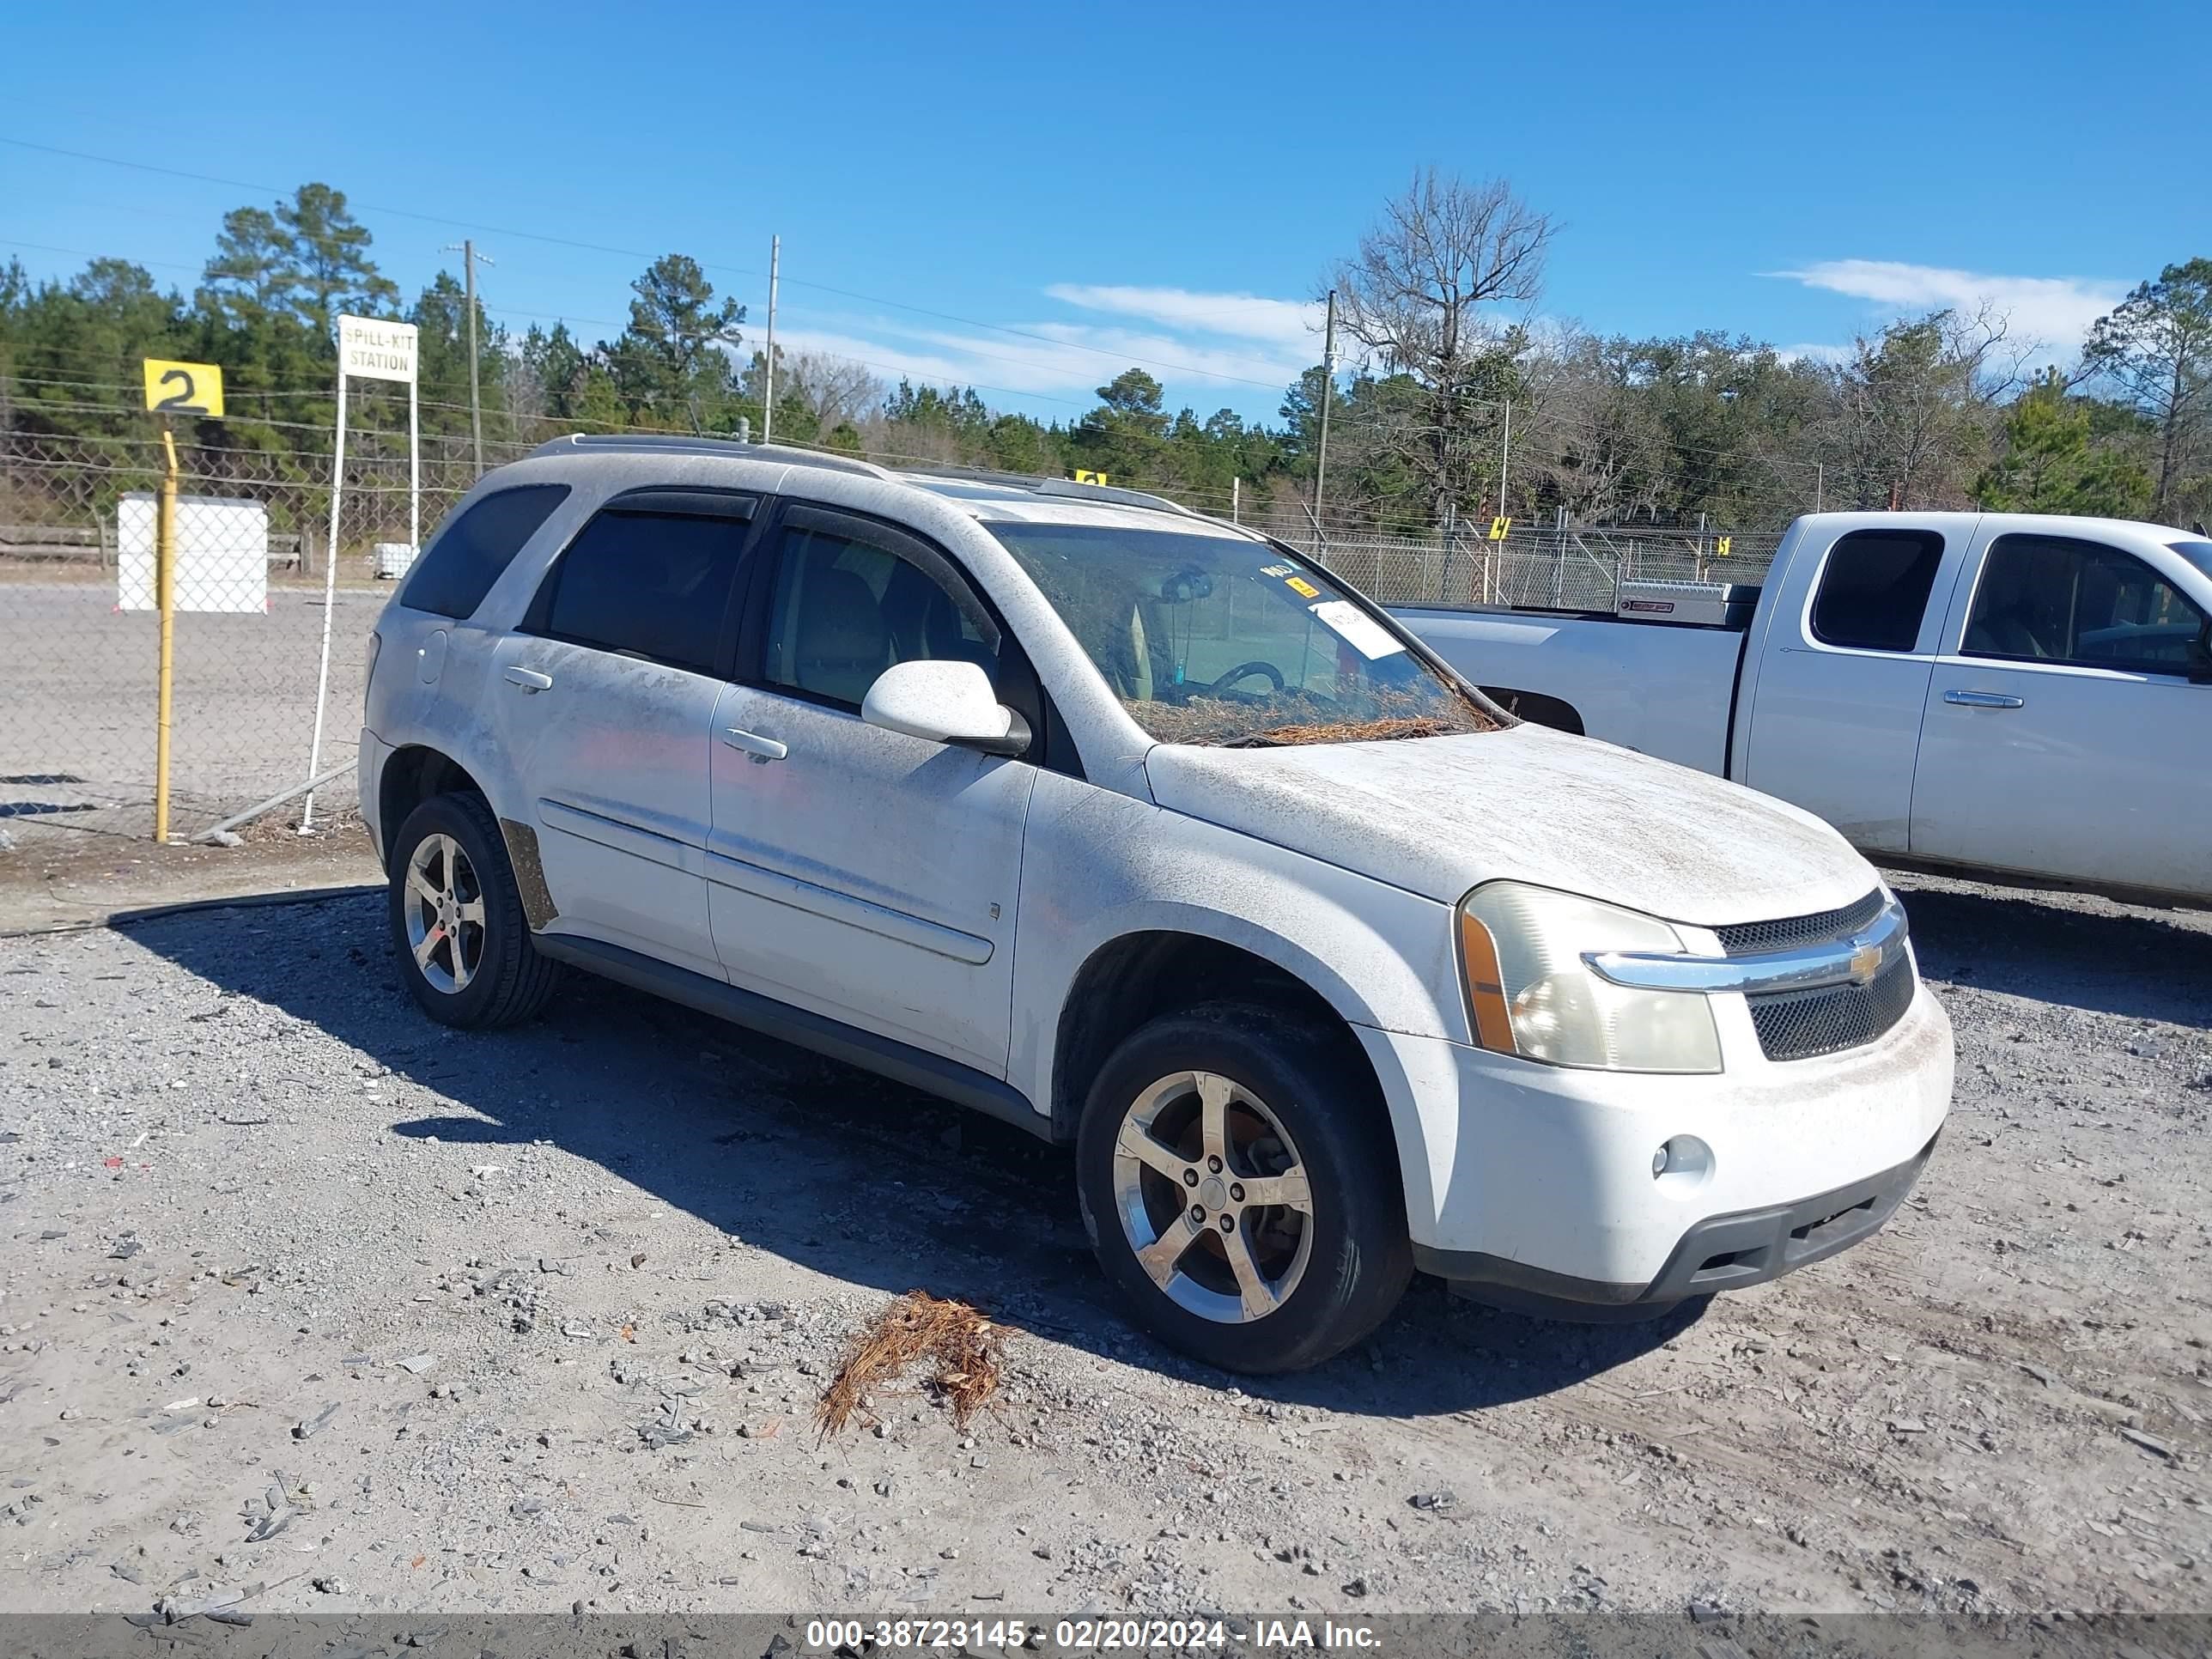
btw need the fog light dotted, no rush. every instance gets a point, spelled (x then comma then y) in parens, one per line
(1682, 1164)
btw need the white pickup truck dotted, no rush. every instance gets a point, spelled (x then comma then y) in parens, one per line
(2020, 694)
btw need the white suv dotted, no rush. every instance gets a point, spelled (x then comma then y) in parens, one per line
(1147, 833)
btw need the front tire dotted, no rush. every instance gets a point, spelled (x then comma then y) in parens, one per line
(1241, 1188)
(458, 926)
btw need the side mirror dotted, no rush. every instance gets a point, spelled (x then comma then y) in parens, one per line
(2200, 657)
(945, 702)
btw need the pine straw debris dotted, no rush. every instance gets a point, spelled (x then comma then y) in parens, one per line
(959, 1342)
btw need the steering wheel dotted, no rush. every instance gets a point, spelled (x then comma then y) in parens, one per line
(1244, 669)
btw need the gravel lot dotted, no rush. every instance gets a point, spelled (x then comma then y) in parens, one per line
(77, 682)
(536, 1322)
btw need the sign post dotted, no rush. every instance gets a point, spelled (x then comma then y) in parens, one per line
(374, 351)
(194, 389)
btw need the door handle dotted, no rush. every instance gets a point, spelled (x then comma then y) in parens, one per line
(763, 750)
(1984, 700)
(528, 678)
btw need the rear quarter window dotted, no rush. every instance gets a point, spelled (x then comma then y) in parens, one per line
(1874, 588)
(476, 544)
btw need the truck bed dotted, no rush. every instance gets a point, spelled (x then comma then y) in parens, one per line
(1664, 689)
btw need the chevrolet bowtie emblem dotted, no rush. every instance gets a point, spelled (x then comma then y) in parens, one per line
(1866, 963)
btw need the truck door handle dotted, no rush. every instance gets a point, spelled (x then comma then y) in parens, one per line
(763, 750)
(1984, 700)
(528, 678)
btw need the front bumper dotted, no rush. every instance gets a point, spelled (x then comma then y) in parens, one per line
(1536, 1181)
(1721, 1253)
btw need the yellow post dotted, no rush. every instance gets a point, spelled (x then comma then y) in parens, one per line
(165, 598)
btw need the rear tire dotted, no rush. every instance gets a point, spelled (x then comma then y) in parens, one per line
(457, 927)
(1313, 1252)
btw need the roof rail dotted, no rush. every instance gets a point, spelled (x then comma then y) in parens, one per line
(1071, 491)
(667, 443)
(1059, 488)
(677, 443)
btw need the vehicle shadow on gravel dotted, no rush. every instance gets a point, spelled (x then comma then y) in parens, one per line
(2142, 964)
(830, 1167)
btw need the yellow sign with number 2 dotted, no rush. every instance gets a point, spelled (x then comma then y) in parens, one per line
(183, 388)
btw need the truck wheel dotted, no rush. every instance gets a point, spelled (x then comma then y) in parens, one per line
(457, 923)
(1239, 1186)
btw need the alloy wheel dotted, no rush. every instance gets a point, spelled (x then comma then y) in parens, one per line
(445, 910)
(1212, 1197)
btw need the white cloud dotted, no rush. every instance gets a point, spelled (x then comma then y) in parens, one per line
(2055, 311)
(1814, 352)
(892, 350)
(1207, 349)
(1289, 324)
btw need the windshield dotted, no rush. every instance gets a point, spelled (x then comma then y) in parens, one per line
(1218, 639)
(2197, 553)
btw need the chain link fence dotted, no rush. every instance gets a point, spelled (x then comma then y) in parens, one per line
(79, 630)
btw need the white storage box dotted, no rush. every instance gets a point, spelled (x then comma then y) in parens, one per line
(223, 553)
(1708, 604)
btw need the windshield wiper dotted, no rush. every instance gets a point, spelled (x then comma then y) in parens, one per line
(1257, 741)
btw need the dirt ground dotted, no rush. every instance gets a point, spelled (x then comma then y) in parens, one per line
(65, 881)
(302, 1292)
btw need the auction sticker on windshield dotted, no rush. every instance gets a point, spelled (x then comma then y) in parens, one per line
(1356, 628)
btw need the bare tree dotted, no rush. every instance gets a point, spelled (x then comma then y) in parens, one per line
(1590, 437)
(1420, 294)
(1913, 413)
(837, 390)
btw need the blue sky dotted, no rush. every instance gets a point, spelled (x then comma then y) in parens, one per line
(1139, 182)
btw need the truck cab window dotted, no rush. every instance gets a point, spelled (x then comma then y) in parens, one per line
(1874, 590)
(2052, 598)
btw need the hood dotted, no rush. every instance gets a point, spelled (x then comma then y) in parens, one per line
(1438, 816)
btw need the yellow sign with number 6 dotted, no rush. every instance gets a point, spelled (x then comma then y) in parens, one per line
(183, 388)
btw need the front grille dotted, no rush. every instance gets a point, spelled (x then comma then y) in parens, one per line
(1752, 939)
(1802, 1025)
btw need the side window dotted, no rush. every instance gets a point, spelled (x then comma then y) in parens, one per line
(2052, 598)
(1874, 590)
(650, 585)
(467, 557)
(845, 608)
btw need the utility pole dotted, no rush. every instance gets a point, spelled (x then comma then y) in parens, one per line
(1819, 481)
(1328, 385)
(767, 402)
(467, 250)
(1237, 499)
(1504, 454)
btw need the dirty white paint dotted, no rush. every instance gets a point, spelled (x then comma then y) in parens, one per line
(1553, 1168)
(1439, 816)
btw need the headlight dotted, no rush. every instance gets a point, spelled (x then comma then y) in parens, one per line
(1530, 994)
